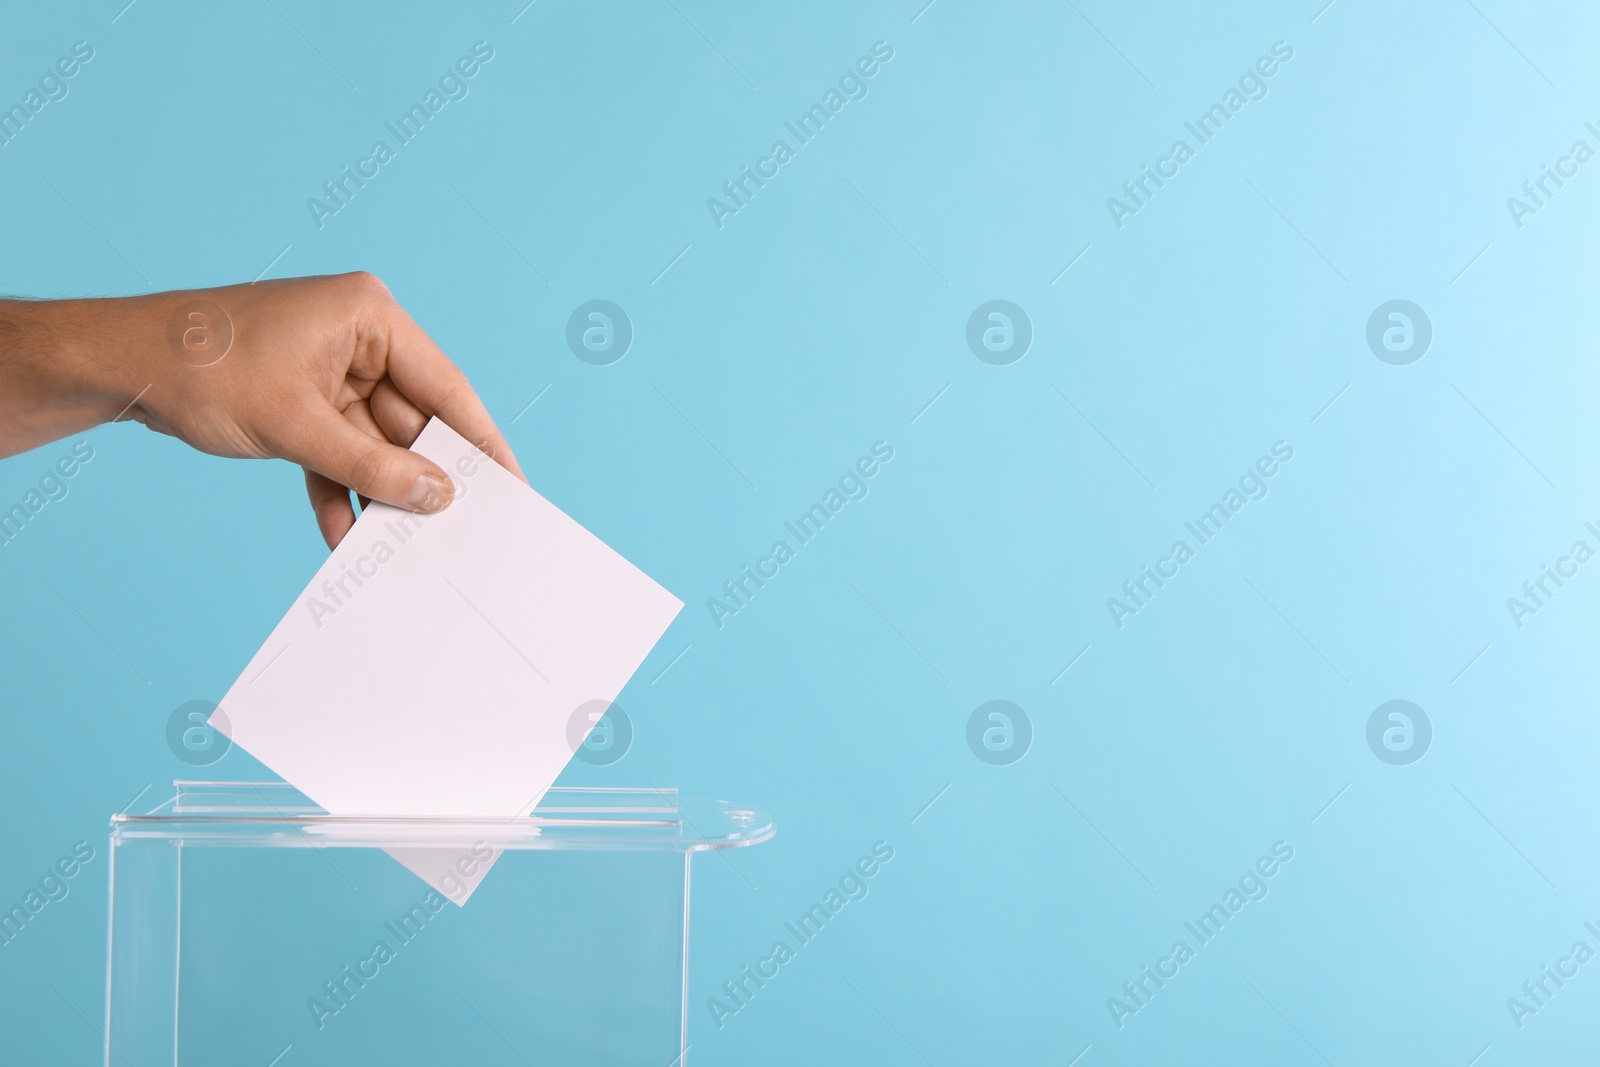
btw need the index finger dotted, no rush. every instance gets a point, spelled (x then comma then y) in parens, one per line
(427, 377)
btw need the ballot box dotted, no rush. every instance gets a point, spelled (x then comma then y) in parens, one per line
(250, 927)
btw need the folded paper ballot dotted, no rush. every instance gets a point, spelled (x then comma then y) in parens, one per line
(436, 663)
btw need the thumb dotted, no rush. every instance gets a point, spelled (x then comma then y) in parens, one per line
(374, 468)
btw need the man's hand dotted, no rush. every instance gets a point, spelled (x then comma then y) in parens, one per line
(329, 373)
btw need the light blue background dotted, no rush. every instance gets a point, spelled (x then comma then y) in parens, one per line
(824, 317)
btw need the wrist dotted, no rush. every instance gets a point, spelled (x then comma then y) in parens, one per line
(69, 365)
(41, 399)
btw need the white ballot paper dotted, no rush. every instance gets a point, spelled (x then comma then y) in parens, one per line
(447, 665)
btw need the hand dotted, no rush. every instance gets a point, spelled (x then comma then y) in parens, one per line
(328, 372)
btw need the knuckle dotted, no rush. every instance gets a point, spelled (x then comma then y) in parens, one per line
(369, 469)
(449, 394)
(366, 283)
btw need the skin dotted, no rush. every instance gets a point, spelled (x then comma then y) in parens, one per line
(329, 373)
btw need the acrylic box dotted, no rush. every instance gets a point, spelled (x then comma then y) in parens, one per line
(248, 926)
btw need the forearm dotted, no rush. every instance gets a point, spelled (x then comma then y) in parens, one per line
(68, 365)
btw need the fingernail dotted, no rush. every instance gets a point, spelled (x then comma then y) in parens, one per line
(430, 494)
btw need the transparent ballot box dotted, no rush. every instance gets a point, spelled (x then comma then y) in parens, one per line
(248, 926)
